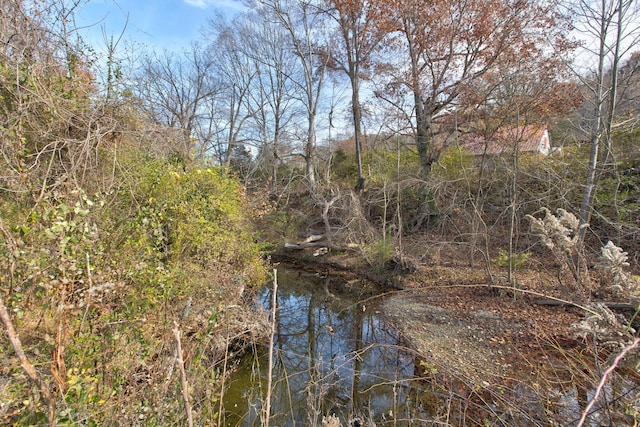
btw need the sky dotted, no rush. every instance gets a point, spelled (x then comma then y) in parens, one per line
(164, 24)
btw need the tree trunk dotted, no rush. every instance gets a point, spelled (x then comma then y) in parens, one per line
(601, 126)
(356, 108)
(423, 136)
(357, 128)
(310, 152)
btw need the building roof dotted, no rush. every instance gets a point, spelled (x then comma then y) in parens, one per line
(529, 138)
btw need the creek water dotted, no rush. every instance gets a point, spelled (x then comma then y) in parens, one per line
(333, 355)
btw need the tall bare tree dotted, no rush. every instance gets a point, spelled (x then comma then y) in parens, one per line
(174, 88)
(359, 37)
(302, 21)
(237, 72)
(271, 101)
(611, 29)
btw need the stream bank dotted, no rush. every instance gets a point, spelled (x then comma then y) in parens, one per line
(500, 357)
(452, 316)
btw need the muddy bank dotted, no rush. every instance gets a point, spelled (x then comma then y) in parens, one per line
(459, 347)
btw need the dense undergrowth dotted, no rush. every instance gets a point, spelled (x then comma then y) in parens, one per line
(96, 281)
(114, 242)
(470, 203)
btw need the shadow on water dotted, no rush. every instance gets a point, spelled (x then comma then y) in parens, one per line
(333, 355)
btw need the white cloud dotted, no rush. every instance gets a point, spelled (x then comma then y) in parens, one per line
(198, 3)
(222, 4)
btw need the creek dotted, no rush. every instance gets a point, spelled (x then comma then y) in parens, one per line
(333, 355)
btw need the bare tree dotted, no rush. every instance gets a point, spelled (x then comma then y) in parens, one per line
(611, 30)
(174, 88)
(271, 101)
(302, 21)
(236, 71)
(359, 37)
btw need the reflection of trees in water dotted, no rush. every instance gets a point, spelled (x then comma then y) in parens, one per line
(333, 356)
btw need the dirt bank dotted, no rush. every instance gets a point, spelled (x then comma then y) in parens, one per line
(477, 338)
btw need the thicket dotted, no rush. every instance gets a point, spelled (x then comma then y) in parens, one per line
(110, 241)
(464, 206)
(97, 280)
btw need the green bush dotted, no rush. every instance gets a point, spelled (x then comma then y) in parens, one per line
(516, 260)
(381, 166)
(100, 278)
(378, 253)
(343, 167)
(455, 163)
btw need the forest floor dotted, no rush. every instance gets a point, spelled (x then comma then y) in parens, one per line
(477, 334)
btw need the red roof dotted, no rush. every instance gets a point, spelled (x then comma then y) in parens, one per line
(529, 138)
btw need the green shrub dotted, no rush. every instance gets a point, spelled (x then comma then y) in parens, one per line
(455, 163)
(516, 260)
(378, 253)
(381, 166)
(100, 278)
(343, 167)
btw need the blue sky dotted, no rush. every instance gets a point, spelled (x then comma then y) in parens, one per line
(170, 24)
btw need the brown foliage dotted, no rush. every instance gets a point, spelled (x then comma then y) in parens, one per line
(456, 50)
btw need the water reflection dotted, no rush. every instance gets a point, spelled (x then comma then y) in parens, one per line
(334, 355)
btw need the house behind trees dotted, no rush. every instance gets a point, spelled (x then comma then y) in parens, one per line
(524, 139)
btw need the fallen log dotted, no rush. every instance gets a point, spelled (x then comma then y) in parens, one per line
(318, 241)
(312, 241)
(300, 246)
(611, 305)
(314, 238)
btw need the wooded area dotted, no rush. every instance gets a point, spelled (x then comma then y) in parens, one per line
(141, 188)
